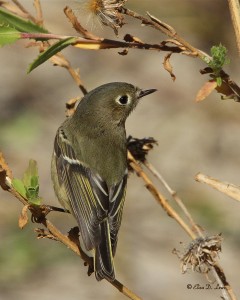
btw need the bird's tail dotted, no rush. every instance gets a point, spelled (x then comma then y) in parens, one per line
(103, 261)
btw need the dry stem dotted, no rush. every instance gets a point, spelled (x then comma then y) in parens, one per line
(39, 18)
(234, 8)
(226, 188)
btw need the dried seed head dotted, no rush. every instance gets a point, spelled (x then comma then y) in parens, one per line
(201, 254)
(107, 12)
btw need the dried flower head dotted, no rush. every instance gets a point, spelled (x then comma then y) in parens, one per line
(107, 11)
(139, 148)
(202, 253)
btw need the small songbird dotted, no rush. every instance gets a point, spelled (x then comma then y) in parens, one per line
(89, 168)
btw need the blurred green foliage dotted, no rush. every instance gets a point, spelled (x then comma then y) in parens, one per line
(22, 254)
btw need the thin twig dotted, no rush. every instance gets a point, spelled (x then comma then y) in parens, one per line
(88, 44)
(164, 28)
(234, 8)
(77, 26)
(227, 292)
(62, 61)
(22, 8)
(226, 188)
(39, 18)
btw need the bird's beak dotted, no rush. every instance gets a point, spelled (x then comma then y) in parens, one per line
(146, 92)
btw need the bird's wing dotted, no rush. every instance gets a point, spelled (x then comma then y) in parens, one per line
(116, 199)
(87, 193)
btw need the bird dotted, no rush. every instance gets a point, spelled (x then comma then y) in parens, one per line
(89, 168)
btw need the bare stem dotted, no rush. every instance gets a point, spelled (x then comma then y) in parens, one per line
(39, 13)
(164, 28)
(227, 293)
(75, 74)
(234, 8)
(22, 8)
(77, 26)
(226, 188)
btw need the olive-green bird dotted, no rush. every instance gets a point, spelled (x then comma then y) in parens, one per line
(89, 168)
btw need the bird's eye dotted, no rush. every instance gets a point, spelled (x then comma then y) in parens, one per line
(123, 100)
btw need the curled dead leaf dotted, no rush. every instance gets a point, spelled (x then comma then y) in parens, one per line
(167, 65)
(23, 218)
(206, 90)
(124, 52)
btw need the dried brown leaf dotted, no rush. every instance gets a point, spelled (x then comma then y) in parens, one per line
(206, 90)
(23, 218)
(225, 89)
(124, 52)
(4, 172)
(4, 166)
(167, 65)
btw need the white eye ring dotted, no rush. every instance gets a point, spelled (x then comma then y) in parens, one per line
(123, 99)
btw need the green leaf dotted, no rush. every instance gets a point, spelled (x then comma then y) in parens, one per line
(18, 23)
(34, 181)
(54, 49)
(19, 186)
(8, 35)
(219, 56)
(30, 180)
(32, 195)
(32, 171)
(35, 201)
(218, 60)
(29, 187)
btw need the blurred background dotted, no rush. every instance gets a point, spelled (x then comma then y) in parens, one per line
(191, 138)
